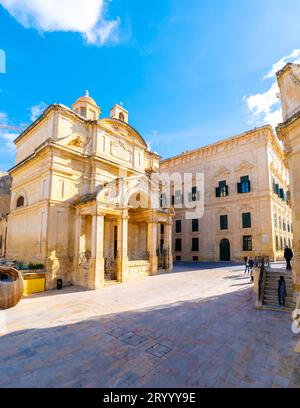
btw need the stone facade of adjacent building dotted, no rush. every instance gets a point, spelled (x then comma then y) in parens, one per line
(246, 200)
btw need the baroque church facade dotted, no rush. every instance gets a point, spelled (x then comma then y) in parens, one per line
(76, 183)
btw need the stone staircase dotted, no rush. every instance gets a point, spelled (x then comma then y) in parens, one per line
(271, 287)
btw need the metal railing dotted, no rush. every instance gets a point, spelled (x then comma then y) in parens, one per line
(262, 262)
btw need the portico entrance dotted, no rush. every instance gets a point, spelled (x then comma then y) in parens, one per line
(118, 244)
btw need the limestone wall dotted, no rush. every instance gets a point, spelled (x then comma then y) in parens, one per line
(245, 155)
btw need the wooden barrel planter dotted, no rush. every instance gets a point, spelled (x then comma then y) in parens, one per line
(11, 287)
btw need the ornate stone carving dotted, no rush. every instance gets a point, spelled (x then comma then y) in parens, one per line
(76, 142)
(121, 151)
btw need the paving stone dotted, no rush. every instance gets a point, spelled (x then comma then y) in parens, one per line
(134, 340)
(197, 329)
(159, 350)
(117, 333)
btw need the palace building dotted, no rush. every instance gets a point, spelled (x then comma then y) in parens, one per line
(246, 200)
(66, 212)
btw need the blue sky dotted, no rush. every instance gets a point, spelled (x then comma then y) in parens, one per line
(183, 69)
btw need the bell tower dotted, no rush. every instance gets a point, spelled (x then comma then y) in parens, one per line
(118, 112)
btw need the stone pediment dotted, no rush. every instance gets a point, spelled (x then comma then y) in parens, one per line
(222, 170)
(123, 130)
(244, 165)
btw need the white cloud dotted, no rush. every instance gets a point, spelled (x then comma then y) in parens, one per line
(265, 107)
(6, 135)
(82, 16)
(37, 110)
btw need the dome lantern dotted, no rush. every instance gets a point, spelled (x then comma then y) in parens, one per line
(86, 107)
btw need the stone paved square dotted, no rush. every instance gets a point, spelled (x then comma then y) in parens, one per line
(201, 313)
(159, 350)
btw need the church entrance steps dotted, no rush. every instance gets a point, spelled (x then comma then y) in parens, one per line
(111, 282)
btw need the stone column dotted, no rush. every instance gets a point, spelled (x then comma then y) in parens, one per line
(168, 245)
(152, 246)
(97, 250)
(122, 269)
(289, 133)
(77, 232)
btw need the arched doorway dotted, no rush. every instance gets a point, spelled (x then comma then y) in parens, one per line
(224, 250)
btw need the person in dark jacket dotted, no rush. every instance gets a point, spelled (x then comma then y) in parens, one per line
(282, 294)
(288, 255)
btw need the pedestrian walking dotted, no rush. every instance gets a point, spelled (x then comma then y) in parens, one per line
(282, 293)
(247, 266)
(288, 255)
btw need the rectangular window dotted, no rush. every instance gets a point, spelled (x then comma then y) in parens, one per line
(246, 220)
(178, 245)
(178, 226)
(223, 222)
(195, 225)
(222, 190)
(83, 112)
(178, 197)
(194, 195)
(247, 243)
(195, 244)
(162, 229)
(277, 244)
(244, 186)
(282, 194)
(163, 200)
(195, 258)
(178, 258)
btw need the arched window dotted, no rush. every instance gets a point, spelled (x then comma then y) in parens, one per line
(20, 202)
(121, 116)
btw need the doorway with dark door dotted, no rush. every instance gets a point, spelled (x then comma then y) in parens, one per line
(225, 250)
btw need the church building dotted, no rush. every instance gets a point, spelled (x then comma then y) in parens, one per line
(78, 183)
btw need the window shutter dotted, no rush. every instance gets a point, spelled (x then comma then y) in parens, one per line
(281, 193)
(218, 192)
(239, 188)
(249, 184)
